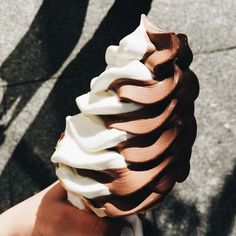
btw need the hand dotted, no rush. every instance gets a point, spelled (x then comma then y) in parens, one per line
(48, 213)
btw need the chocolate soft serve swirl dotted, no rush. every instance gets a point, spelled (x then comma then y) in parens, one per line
(132, 140)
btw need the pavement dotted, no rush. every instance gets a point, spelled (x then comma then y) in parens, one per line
(50, 50)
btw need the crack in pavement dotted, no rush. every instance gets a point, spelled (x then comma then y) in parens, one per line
(55, 77)
(216, 50)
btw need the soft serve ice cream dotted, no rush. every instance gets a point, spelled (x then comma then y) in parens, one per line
(132, 140)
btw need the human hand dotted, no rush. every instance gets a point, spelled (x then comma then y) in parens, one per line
(48, 213)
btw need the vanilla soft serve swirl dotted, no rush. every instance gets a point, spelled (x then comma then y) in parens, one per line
(132, 140)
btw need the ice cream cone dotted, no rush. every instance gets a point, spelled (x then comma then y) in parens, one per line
(132, 140)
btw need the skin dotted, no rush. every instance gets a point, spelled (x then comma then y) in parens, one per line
(48, 213)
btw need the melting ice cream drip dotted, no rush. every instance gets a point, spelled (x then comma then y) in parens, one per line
(133, 139)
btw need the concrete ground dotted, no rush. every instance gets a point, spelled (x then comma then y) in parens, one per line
(49, 52)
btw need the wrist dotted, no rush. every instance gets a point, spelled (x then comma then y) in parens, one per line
(20, 219)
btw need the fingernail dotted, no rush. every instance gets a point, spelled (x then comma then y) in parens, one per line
(127, 231)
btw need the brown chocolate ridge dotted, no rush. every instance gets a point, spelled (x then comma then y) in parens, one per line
(139, 202)
(149, 196)
(143, 125)
(139, 154)
(119, 207)
(152, 93)
(164, 54)
(126, 181)
(170, 49)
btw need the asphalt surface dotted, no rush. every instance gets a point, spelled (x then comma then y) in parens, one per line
(49, 52)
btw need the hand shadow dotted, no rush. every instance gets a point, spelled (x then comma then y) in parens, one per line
(222, 210)
(183, 218)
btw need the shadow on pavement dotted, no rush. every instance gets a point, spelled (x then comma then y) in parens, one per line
(53, 34)
(222, 210)
(35, 148)
(184, 218)
(51, 37)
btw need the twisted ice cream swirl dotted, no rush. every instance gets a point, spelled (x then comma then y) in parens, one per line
(132, 140)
